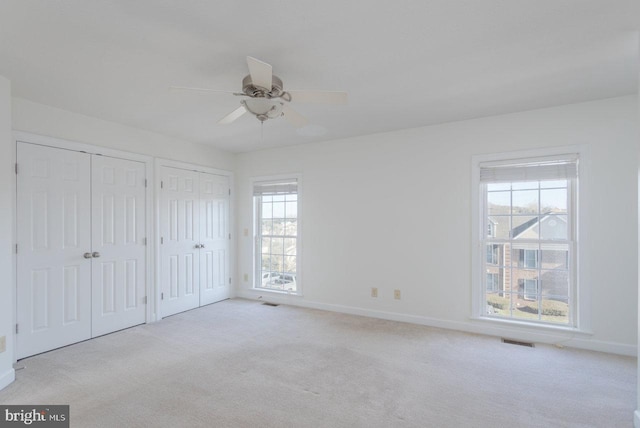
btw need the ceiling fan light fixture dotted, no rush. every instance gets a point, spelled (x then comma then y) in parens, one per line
(263, 108)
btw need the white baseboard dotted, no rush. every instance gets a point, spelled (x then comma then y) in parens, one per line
(527, 334)
(7, 378)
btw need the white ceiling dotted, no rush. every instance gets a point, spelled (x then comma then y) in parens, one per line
(404, 64)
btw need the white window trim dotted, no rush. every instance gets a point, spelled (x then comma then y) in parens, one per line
(299, 273)
(582, 295)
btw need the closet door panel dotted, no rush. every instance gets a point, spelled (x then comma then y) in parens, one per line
(119, 252)
(53, 233)
(214, 238)
(179, 247)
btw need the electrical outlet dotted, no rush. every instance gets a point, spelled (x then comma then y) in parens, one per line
(246, 277)
(3, 344)
(396, 294)
(374, 292)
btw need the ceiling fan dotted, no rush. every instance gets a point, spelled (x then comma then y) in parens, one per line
(266, 98)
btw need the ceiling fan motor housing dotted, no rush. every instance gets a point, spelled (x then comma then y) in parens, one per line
(276, 90)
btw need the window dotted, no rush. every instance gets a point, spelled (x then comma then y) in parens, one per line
(492, 282)
(528, 208)
(492, 254)
(277, 235)
(528, 259)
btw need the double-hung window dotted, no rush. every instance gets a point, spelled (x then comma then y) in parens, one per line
(528, 209)
(276, 226)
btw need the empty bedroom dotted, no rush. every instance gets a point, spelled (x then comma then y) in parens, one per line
(319, 214)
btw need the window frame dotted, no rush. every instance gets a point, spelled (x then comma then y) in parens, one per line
(580, 291)
(256, 281)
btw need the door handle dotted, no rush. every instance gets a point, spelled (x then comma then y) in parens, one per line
(87, 255)
(201, 245)
(197, 245)
(95, 254)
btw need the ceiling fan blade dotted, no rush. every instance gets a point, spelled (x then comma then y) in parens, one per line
(320, 97)
(293, 117)
(185, 88)
(261, 73)
(232, 116)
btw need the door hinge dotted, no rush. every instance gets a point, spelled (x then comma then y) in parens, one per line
(16, 248)
(229, 192)
(144, 300)
(229, 280)
(229, 236)
(162, 184)
(16, 168)
(161, 240)
(161, 296)
(17, 329)
(144, 241)
(145, 182)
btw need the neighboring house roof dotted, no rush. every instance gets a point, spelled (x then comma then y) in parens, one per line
(548, 225)
(554, 226)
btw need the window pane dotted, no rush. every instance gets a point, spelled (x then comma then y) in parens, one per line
(278, 198)
(498, 203)
(525, 307)
(290, 246)
(267, 227)
(525, 227)
(291, 209)
(554, 227)
(554, 256)
(277, 263)
(267, 209)
(522, 278)
(277, 246)
(291, 227)
(266, 245)
(278, 210)
(555, 310)
(555, 283)
(525, 202)
(498, 304)
(290, 264)
(500, 225)
(266, 262)
(553, 201)
(278, 227)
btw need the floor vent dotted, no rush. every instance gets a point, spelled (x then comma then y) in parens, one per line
(517, 342)
(270, 304)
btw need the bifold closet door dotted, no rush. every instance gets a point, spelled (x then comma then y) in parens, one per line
(53, 234)
(118, 250)
(214, 238)
(179, 240)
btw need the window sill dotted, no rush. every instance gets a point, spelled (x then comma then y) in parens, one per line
(533, 327)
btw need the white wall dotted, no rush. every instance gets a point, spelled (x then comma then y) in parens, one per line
(53, 122)
(393, 211)
(6, 233)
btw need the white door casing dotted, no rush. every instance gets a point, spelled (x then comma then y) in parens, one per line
(53, 233)
(118, 250)
(179, 236)
(214, 238)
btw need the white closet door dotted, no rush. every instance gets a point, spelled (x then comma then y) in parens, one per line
(214, 238)
(179, 232)
(118, 232)
(53, 233)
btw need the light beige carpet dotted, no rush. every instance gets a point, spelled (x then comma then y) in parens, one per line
(239, 363)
